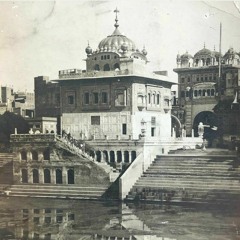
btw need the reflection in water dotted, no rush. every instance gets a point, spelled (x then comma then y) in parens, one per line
(68, 219)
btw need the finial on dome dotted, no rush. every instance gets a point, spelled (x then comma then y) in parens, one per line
(214, 48)
(88, 49)
(204, 45)
(116, 25)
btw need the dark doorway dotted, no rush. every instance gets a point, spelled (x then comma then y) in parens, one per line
(34, 155)
(98, 155)
(46, 154)
(47, 176)
(23, 155)
(119, 156)
(70, 176)
(24, 176)
(112, 157)
(133, 155)
(126, 156)
(59, 176)
(211, 122)
(35, 176)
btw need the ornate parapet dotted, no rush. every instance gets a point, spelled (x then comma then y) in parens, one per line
(28, 138)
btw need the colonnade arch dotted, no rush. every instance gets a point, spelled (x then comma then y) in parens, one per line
(47, 175)
(112, 156)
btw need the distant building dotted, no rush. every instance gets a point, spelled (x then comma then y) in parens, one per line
(21, 103)
(200, 88)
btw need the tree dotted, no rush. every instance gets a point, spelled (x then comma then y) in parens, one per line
(8, 122)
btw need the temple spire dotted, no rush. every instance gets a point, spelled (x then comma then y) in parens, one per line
(116, 25)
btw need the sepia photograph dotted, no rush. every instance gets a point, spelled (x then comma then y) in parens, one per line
(120, 120)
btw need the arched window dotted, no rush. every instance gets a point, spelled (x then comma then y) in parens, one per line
(98, 154)
(116, 66)
(204, 93)
(35, 176)
(58, 176)
(126, 156)
(70, 174)
(195, 93)
(23, 155)
(200, 92)
(34, 155)
(112, 156)
(46, 154)
(212, 92)
(208, 92)
(24, 176)
(133, 155)
(47, 176)
(154, 98)
(96, 67)
(119, 156)
(158, 99)
(92, 154)
(106, 67)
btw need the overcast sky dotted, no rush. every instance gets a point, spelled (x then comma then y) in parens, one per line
(42, 37)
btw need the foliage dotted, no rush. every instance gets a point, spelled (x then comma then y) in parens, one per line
(8, 122)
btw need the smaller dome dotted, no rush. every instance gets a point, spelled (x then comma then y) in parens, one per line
(88, 50)
(186, 56)
(231, 54)
(203, 52)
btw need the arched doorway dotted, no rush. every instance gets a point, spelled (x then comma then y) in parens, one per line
(119, 156)
(59, 176)
(176, 125)
(23, 155)
(98, 155)
(24, 176)
(70, 173)
(106, 67)
(211, 121)
(35, 176)
(126, 156)
(47, 176)
(133, 155)
(34, 155)
(46, 154)
(112, 157)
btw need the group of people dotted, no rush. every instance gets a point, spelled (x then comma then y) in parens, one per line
(74, 142)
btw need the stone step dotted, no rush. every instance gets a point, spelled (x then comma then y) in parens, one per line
(52, 190)
(187, 181)
(193, 169)
(57, 187)
(189, 177)
(186, 186)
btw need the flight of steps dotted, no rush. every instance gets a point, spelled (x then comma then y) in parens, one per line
(56, 191)
(113, 174)
(6, 168)
(182, 178)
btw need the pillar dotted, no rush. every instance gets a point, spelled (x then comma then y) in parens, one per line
(41, 175)
(64, 175)
(53, 176)
(30, 175)
(29, 156)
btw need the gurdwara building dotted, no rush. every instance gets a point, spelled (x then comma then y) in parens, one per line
(208, 90)
(113, 98)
